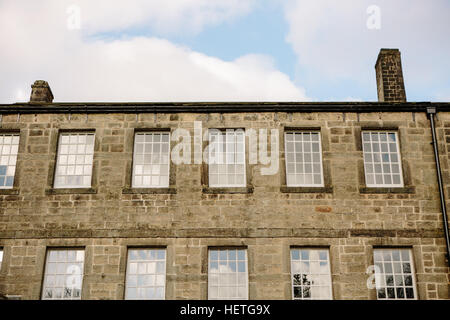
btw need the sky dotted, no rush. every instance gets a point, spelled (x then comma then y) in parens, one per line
(220, 50)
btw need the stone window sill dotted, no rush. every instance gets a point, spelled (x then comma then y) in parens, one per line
(367, 190)
(13, 191)
(170, 190)
(232, 190)
(286, 189)
(52, 191)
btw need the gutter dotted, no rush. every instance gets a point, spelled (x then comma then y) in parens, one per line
(431, 112)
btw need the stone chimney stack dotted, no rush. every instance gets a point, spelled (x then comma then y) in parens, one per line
(389, 73)
(41, 92)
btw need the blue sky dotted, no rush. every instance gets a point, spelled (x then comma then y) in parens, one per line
(261, 31)
(221, 50)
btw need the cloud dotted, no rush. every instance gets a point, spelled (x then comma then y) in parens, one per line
(80, 68)
(164, 16)
(332, 42)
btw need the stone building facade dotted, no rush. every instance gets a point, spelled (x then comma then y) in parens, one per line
(267, 219)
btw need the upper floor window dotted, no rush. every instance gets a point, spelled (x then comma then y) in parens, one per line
(227, 274)
(303, 159)
(151, 160)
(146, 274)
(394, 274)
(311, 277)
(227, 158)
(74, 162)
(382, 164)
(9, 145)
(63, 274)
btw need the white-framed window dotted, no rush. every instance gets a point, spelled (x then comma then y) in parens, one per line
(1, 258)
(151, 160)
(311, 276)
(382, 163)
(227, 274)
(227, 158)
(394, 274)
(63, 277)
(303, 159)
(74, 161)
(9, 146)
(146, 274)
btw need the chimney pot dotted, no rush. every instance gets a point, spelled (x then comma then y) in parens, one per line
(41, 92)
(390, 84)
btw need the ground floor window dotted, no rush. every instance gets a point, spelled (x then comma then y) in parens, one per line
(63, 274)
(146, 274)
(227, 274)
(394, 274)
(311, 277)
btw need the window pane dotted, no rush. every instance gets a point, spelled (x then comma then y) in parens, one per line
(146, 274)
(227, 157)
(74, 162)
(227, 274)
(1, 258)
(393, 274)
(151, 160)
(63, 274)
(311, 276)
(303, 155)
(381, 159)
(9, 145)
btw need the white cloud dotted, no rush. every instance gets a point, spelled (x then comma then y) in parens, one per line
(333, 43)
(39, 46)
(165, 16)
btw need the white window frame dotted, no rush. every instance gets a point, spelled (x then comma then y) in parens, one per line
(210, 273)
(319, 185)
(1, 258)
(65, 274)
(223, 134)
(330, 293)
(144, 263)
(135, 155)
(382, 185)
(380, 283)
(10, 157)
(58, 165)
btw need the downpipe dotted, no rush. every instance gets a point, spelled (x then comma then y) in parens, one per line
(431, 112)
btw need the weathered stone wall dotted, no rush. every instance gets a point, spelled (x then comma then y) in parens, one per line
(267, 218)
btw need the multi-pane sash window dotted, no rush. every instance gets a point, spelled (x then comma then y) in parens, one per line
(382, 164)
(151, 160)
(227, 274)
(227, 158)
(146, 274)
(311, 277)
(9, 144)
(303, 159)
(63, 274)
(74, 163)
(394, 274)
